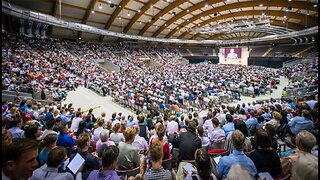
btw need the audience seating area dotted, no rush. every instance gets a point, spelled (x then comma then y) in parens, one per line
(168, 136)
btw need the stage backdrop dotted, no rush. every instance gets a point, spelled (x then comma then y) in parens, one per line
(233, 55)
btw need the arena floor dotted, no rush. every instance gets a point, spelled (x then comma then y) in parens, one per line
(87, 99)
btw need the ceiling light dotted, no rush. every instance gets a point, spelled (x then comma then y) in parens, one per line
(188, 10)
(285, 16)
(289, 0)
(206, 5)
(156, 26)
(140, 22)
(168, 0)
(198, 24)
(151, 6)
(120, 18)
(287, 10)
(308, 13)
(165, 24)
(100, 7)
(315, 5)
(149, 20)
(129, 14)
(79, 38)
(92, 11)
(177, 27)
(261, 5)
(139, 10)
(283, 22)
(187, 20)
(263, 14)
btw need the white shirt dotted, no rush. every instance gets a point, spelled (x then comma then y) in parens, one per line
(140, 143)
(217, 135)
(205, 142)
(115, 122)
(116, 137)
(172, 127)
(75, 124)
(96, 133)
(208, 125)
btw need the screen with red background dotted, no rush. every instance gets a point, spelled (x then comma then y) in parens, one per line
(236, 51)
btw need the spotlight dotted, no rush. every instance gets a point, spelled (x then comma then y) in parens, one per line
(206, 5)
(140, 22)
(92, 11)
(120, 18)
(139, 10)
(188, 10)
(261, 5)
(129, 14)
(100, 7)
(149, 20)
(315, 5)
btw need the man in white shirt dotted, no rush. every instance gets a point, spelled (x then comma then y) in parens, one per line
(139, 142)
(232, 55)
(217, 135)
(75, 122)
(172, 126)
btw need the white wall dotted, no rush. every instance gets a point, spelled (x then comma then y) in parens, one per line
(243, 60)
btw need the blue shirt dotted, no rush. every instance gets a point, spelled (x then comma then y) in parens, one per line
(43, 156)
(299, 123)
(236, 157)
(251, 121)
(48, 116)
(100, 175)
(227, 128)
(64, 119)
(65, 140)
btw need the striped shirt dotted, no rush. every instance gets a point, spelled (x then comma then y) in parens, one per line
(156, 174)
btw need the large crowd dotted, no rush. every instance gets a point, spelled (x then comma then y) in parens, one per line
(230, 142)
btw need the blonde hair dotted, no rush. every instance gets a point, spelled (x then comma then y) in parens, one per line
(129, 133)
(276, 115)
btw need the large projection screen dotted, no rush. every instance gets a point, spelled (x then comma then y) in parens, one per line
(233, 55)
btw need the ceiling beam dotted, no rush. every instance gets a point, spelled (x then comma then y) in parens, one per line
(311, 20)
(161, 13)
(144, 8)
(114, 15)
(86, 16)
(274, 22)
(278, 3)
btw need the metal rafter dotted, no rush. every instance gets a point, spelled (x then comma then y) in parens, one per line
(311, 20)
(161, 13)
(119, 8)
(297, 4)
(86, 16)
(144, 8)
(274, 22)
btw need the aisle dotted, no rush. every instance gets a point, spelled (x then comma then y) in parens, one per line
(86, 99)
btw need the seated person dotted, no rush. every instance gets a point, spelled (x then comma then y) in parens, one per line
(236, 157)
(109, 162)
(156, 171)
(139, 142)
(128, 155)
(65, 140)
(188, 143)
(305, 167)
(48, 143)
(160, 130)
(92, 162)
(204, 166)
(265, 158)
(305, 141)
(103, 142)
(300, 123)
(236, 172)
(19, 159)
(56, 158)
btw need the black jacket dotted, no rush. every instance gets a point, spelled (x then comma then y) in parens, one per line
(188, 142)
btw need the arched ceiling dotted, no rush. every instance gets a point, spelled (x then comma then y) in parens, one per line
(177, 18)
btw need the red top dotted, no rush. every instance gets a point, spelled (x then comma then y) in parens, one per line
(166, 151)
